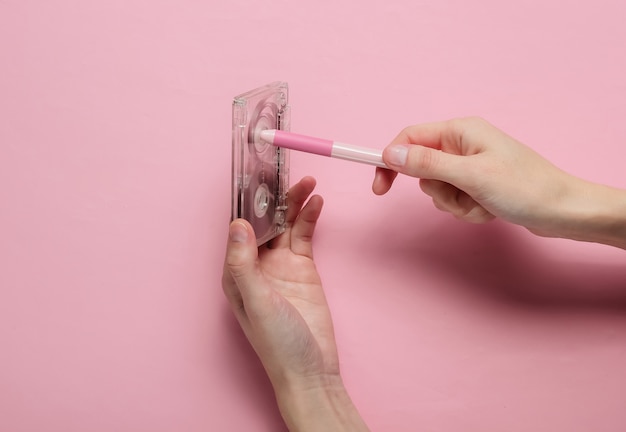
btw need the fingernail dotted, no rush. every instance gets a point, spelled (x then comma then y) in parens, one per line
(397, 154)
(238, 232)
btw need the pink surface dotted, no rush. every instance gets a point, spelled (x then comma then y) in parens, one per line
(114, 184)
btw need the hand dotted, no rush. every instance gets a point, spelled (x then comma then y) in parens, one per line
(477, 172)
(276, 295)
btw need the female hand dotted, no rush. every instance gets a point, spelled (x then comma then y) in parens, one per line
(276, 295)
(477, 172)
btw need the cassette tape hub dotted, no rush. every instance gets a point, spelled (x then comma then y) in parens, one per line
(260, 171)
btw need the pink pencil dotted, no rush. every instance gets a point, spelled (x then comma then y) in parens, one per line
(323, 147)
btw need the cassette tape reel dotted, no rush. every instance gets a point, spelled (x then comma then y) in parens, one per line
(260, 171)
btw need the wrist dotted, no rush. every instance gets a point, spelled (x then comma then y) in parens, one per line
(594, 213)
(318, 403)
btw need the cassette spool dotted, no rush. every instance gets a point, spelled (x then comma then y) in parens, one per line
(260, 171)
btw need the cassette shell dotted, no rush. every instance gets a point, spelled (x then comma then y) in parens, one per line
(260, 171)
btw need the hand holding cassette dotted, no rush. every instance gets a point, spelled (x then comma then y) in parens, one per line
(276, 295)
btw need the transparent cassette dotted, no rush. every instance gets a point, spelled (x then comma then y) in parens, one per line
(260, 171)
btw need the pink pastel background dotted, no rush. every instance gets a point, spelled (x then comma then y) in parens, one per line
(115, 201)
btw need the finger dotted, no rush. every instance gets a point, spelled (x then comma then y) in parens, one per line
(433, 187)
(472, 211)
(296, 198)
(427, 134)
(383, 179)
(304, 227)
(241, 267)
(424, 162)
(440, 206)
(436, 150)
(443, 194)
(452, 200)
(449, 136)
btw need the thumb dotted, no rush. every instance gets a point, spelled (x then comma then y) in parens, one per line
(242, 256)
(424, 162)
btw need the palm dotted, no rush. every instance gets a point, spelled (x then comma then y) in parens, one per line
(277, 295)
(298, 287)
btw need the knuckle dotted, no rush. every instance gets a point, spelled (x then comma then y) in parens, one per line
(406, 132)
(472, 121)
(236, 265)
(422, 160)
(461, 126)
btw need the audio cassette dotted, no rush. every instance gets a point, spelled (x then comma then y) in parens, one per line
(260, 171)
